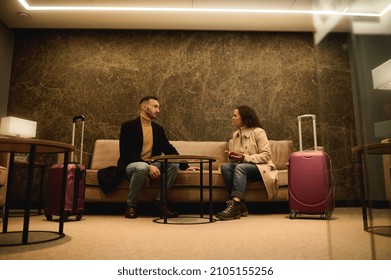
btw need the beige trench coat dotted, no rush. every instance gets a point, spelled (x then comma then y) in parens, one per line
(256, 150)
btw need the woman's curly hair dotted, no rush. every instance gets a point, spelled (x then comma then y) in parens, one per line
(249, 117)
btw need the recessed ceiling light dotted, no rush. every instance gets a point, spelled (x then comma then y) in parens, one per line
(23, 15)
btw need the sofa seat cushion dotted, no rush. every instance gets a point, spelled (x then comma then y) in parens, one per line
(189, 178)
(3, 175)
(283, 177)
(184, 178)
(3, 181)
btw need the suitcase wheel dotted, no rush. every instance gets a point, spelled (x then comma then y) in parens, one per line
(327, 215)
(66, 215)
(78, 216)
(48, 217)
(293, 215)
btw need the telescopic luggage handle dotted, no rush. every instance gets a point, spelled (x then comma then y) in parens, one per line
(75, 118)
(313, 117)
(81, 117)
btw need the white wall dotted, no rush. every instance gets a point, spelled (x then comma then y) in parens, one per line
(6, 48)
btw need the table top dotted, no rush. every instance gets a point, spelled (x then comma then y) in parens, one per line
(184, 158)
(375, 148)
(23, 145)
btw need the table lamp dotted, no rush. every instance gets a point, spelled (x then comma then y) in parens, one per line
(17, 127)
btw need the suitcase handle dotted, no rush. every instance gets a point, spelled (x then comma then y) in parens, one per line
(81, 117)
(313, 117)
(307, 116)
(75, 118)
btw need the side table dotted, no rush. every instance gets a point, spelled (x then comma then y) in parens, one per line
(361, 152)
(165, 159)
(14, 145)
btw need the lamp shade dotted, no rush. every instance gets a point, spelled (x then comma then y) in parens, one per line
(12, 126)
(381, 76)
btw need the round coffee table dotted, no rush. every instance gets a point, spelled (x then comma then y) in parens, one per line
(197, 159)
(14, 145)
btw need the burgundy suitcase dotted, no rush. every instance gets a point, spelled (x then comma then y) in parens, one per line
(310, 182)
(75, 184)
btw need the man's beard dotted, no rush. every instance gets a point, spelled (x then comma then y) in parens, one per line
(150, 114)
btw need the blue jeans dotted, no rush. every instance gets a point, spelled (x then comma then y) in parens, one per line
(138, 172)
(235, 177)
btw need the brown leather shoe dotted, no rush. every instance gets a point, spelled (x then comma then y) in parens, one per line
(171, 214)
(130, 212)
(159, 207)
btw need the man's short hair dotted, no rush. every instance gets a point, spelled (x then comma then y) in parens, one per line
(146, 98)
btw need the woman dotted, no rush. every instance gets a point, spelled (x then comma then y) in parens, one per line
(249, 159)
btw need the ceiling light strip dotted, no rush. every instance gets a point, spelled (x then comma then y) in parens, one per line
(197, 10)
(385, 10)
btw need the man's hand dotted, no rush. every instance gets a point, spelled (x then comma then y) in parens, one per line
(154, 172)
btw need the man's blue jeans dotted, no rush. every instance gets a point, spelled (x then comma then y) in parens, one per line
(138, 172)
(235, 177)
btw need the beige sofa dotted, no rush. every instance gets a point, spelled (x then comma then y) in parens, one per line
(387, 171)
(186, 185)
(3, 180)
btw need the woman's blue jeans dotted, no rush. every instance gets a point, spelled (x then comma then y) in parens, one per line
(235, 177)
(138, 172)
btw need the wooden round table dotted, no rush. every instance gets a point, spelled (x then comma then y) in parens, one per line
(33, 147)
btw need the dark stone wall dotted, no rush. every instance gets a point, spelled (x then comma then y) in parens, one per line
(199, 77)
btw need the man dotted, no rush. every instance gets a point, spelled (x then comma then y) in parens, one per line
(141, 139)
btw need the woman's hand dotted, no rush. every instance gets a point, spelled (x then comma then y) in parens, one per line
(193, 168)
(235, 156)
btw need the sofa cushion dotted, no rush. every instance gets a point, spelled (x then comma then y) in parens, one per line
(280, 150)
(199, 148)
(3, 175)
(106, 151)
(3, 180)
(387, 171)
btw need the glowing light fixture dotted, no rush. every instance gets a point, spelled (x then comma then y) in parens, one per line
(381, 76)
(12, 126)
(205, 10)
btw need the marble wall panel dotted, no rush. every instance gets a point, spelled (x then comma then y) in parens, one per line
(199, 77)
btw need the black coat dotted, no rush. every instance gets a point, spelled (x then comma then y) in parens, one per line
(130, 145)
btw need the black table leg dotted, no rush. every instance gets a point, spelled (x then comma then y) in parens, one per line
(63, 193)
(201, 189)
(210, 193)
(40, 203)
(26, 220)
(165, 178)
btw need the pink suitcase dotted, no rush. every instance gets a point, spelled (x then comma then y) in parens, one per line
(75, 184)
(310, 183)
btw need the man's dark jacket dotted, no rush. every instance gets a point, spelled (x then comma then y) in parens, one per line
(130, 145)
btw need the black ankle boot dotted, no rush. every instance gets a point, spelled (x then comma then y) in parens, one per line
(233, 211)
